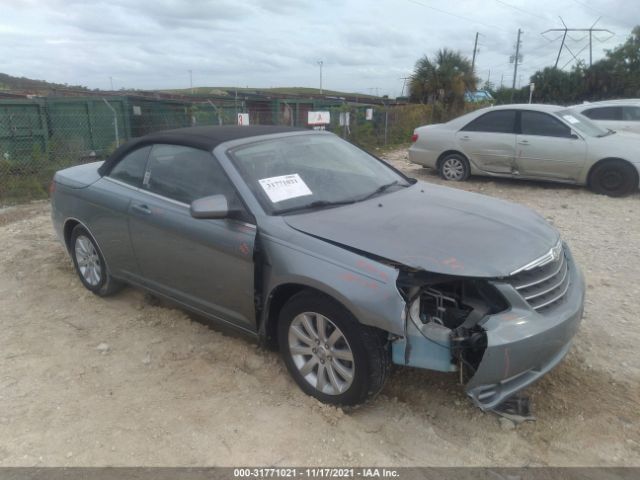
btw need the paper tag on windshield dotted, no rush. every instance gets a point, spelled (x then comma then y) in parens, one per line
(284, 187)
(571, 119)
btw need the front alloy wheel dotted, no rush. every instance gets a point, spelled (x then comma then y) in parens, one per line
(329, 354)
(321, 353)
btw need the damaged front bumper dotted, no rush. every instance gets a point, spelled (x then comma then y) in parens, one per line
(517, 346)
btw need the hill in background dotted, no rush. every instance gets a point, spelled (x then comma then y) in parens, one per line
(25, 85)
(28, 85)
(275, 90)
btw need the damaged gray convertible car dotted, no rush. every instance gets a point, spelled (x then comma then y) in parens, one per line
(315, 247)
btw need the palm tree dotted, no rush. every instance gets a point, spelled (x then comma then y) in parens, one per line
(444, 79)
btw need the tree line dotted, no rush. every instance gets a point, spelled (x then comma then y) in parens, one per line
(446, 76)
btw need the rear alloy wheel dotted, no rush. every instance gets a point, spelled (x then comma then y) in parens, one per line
(454, 167)
(615, 178)
(329, 354)
(90, 265)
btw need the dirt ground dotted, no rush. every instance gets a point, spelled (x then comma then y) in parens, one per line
(86, 381)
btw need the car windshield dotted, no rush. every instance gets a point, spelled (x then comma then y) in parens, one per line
(582, 124)
(300, 172)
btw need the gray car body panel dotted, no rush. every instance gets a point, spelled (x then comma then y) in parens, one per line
(428, 227)
(353, 253)
(366, 288)
(523, 345)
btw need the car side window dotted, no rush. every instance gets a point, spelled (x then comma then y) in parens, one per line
(500, 121)
(631, 114)
(186, 174)
(604, 113)
(542, 124)
(132, 167)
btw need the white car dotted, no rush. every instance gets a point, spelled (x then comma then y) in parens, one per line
(620, 115)
(544, 142)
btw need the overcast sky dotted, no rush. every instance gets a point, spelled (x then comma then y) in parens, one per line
(365, 45)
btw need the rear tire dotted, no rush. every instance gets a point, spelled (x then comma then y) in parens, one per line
(90, 264)
(329, 354)
(454, 167)
(615, 178)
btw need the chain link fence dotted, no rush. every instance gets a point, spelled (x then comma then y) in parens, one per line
(39, 137)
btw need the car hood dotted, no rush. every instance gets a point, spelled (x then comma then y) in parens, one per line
(437, 229)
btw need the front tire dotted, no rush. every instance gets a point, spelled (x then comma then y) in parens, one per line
(615, 178)
(90, 264)
(329, 354)
(454, 167)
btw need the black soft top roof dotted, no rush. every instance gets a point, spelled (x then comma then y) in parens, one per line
(203, 138)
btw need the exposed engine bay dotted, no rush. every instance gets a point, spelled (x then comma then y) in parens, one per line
(448, 312)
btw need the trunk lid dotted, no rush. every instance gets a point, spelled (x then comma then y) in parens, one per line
(79, 176)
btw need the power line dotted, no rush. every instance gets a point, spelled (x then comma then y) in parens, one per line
(585, 5)
(457, 16)
(521, 10)
(533, 50)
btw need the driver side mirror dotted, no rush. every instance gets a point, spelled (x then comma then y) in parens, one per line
(211, 207)
(574, 136)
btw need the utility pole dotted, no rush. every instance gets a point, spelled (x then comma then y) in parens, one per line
(475, 50)
(515, 64)
(191, 80)
(111, 81)
(320, 62)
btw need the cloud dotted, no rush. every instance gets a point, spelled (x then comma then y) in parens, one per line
(363, 44)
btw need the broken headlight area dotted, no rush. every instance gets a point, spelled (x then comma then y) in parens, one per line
(443, 325)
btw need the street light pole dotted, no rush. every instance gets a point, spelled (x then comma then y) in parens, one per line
(320, 62)
(191, 80)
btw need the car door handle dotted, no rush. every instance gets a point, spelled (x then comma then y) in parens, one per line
(523, 142)
(143, 209)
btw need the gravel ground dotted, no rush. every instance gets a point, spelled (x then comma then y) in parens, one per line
(86, 381)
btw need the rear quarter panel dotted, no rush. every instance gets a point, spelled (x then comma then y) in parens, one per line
(432, 141)
(101, 206)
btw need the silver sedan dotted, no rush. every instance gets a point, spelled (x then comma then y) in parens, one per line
(544, 142)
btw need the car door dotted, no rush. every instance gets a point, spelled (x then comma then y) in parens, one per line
(112, 196)
(204, 263)
(547, 147)
(489, 141)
